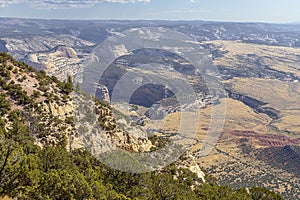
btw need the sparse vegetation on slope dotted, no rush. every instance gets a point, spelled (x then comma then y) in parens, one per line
(33, 169)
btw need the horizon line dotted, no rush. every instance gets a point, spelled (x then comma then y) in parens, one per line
(138, 19)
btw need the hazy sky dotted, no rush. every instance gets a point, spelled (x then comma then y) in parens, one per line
(217, 10)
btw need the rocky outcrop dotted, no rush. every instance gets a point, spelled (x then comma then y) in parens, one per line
(101, 131)
(189, 162)
(60, 62)
(59, 110)
(67, 52)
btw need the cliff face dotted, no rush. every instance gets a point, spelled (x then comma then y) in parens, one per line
(60, 61)
(99, 130)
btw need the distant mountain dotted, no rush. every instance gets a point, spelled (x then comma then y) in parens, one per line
(2, 46)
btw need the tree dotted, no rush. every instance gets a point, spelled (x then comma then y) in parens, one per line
(68, 87)
(12, 158)
(4, 105)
